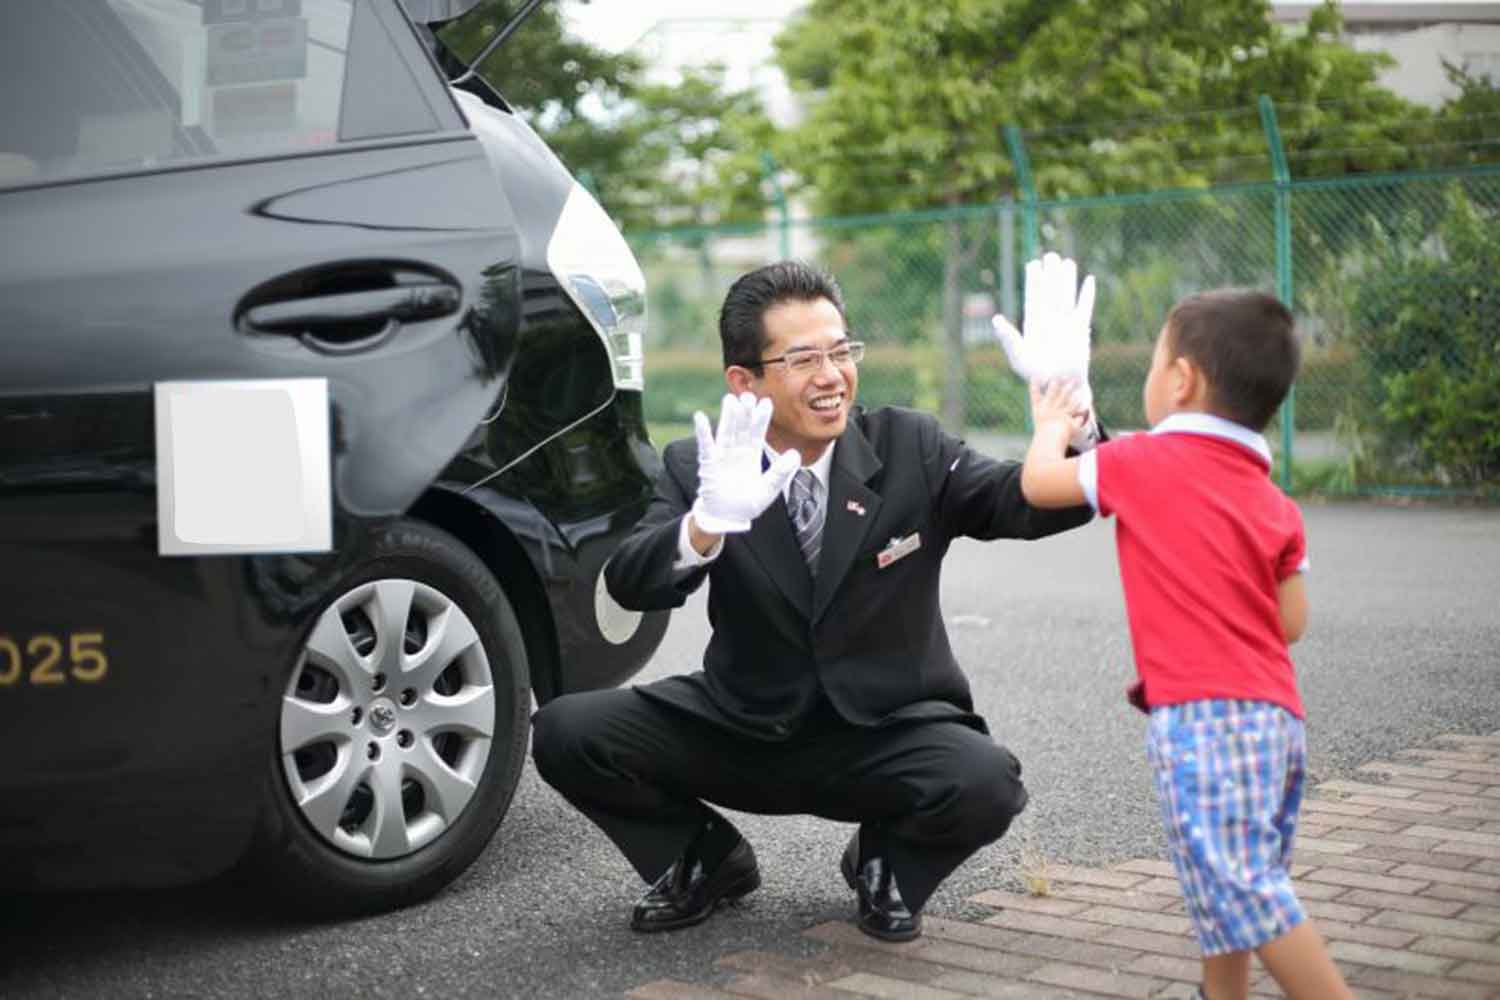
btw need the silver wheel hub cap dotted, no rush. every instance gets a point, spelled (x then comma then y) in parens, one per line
(387, 720)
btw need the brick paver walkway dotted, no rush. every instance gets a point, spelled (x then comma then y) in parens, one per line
(1401, 872)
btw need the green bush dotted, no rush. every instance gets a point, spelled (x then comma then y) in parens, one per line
(994, 397)
(683, 381)
(890, 376)
(679, 382)
(1328, 380)
(1117, 373)
(1427, 322)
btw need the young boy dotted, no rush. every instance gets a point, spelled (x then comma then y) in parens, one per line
(1211, 557)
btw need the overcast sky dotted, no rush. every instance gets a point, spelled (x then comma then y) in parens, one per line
(616, 24)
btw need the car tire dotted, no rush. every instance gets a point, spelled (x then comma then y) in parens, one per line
(388, 849)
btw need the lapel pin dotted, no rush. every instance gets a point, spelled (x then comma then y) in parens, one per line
(855, 506)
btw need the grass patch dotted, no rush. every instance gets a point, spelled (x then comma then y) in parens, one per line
(1034, 869)
(664, 432)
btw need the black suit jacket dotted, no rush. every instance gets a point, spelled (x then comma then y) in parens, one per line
(870, 637)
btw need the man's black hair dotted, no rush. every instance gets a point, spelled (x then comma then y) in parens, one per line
(1244, 342)
(742, 329)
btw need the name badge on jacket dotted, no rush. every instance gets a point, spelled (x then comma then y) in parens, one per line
(898, 549)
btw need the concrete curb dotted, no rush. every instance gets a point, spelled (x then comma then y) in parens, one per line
(1400, 869)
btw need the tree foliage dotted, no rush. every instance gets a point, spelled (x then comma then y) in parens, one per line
(907, 98)
(1470, 123)
(1426, 323)
(655, 154)
(673, 155)
(542, 70)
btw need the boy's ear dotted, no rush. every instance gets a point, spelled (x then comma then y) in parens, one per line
(1185, 382)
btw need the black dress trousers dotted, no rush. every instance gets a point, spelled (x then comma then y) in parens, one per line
(928, 792)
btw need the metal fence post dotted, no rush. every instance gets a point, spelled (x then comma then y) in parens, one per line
(1007, 261)
(783, 211)
(1283, 178)
(1030, 225)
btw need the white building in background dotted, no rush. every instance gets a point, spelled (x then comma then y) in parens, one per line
(1420, 35)
(737, 37)
(673, 35)
(742, 45)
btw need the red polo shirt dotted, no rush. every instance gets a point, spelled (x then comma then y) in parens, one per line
(1205, 539)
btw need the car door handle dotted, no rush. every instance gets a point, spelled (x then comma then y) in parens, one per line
(351, 322)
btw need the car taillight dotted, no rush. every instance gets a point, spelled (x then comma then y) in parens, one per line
(590, 259)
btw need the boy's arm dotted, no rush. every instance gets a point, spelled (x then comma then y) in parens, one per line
(1048, 479)
(1292, 596)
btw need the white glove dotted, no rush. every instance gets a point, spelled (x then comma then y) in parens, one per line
(1056, 340)
(732, 489)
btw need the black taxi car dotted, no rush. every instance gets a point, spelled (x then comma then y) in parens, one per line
(320, 416)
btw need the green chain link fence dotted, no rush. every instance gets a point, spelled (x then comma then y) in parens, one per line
(1393, 280)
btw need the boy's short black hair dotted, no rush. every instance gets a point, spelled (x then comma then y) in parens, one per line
(742, 330)
(1244, 342)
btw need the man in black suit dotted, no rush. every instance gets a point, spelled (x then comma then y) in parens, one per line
(829, 686)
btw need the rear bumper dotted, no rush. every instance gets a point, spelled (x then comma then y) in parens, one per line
(137, 830)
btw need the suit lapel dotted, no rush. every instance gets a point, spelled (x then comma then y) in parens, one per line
(852, 508)
(775, 545)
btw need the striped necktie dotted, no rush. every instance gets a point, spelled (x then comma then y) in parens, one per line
(807, 516)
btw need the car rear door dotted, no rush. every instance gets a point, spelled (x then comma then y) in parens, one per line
(214, 193)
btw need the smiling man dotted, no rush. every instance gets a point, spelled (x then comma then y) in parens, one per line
(828, 686)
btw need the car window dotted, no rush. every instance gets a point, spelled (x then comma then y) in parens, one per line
(465, 38)
(102, 85)
(468, 35)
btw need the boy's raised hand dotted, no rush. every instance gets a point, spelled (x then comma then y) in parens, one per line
(732, 489)
(1055, 341)
(1053, 403)
(1048, 479)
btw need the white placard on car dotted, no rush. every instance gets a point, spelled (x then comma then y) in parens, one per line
(243, 467)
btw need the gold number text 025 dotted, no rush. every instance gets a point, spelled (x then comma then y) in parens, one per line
(88, 663)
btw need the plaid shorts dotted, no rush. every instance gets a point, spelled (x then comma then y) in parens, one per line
(1229, 776)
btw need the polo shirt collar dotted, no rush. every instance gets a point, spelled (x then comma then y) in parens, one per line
(1212, 426)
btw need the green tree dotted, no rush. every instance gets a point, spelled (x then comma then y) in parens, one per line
(656, 155)
(1469, 123)
(906, 98)
(672, 155)
(1426, 324)
(543, 71)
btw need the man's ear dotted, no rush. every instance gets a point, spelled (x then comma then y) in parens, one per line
(739, 379)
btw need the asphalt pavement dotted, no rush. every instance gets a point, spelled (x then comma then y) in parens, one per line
(1403, 646)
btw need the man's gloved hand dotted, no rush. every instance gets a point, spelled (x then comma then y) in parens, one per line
(732, 489)
(1056, 339)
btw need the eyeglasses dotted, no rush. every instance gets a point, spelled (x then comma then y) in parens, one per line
(806, 360)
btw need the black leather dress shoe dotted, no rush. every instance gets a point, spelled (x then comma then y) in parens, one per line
(687, 894)
(882, 912)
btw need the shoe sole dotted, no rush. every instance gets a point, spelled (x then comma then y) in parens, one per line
(736, 891)
(910, 935)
